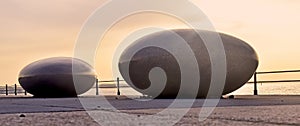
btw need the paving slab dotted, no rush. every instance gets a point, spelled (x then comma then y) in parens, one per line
(242, 110)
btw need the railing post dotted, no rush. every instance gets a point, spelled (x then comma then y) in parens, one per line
(6, 89)
(97, 87)
(118, 86)
(255, 84)
(15, 89)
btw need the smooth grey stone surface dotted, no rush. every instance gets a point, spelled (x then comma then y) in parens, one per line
(241, 58)
(57, 77)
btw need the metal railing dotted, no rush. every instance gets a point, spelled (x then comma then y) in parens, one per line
(15, 89)
(109, 81)
(18, 89)
(255, 91)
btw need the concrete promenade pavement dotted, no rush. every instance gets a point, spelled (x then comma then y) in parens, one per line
(242, 110)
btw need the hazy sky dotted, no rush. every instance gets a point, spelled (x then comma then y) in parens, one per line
(35, 29)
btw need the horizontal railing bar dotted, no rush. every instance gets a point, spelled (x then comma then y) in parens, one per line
(110, 81)
(11, 92)
(114, 87)
(285, 71)
(277, 81)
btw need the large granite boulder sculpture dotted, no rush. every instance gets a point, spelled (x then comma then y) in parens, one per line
(241, 58)
(55, 77)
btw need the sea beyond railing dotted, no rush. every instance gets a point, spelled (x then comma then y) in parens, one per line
(116, 85)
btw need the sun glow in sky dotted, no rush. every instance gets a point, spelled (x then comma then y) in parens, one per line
(34, 29)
